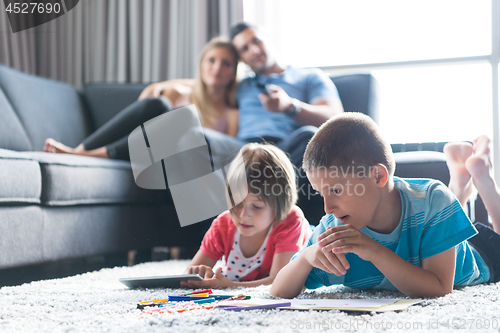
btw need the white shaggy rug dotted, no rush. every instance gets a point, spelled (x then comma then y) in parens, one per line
(97, 302)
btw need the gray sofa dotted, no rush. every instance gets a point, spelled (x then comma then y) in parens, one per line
(55, 207)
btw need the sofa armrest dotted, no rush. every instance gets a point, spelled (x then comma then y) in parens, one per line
(105, 100)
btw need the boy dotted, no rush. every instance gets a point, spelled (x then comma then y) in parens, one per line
(380, 231)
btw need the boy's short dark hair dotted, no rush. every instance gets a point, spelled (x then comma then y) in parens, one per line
(348, 140)
(236, 29)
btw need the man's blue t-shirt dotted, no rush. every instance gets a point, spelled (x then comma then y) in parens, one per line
(307, 85)
(432, 221)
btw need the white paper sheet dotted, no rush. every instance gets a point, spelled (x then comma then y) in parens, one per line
(341, 303)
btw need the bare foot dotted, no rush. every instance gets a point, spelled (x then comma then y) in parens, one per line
(480, 168)
(479, 164)
(52, 146)
(457, 154)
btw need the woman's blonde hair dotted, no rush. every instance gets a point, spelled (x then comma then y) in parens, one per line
(208, 112)
(268, 174)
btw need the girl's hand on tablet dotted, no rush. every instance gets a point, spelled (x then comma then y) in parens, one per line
(204, 271)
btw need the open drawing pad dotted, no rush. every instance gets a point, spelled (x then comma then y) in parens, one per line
(167, 281)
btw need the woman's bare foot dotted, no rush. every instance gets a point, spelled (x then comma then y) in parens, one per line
(52, 146)
(457, 154)
(480, 167)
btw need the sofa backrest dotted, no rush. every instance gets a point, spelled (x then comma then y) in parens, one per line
(358, 93)
(105, 100)
(33, 109)
(12, 133)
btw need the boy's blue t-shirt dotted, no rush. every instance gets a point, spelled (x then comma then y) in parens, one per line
(432, 222)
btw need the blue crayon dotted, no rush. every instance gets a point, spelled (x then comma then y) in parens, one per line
(205, 300)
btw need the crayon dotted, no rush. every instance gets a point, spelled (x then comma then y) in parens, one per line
(208, 291)
(205, 300)
(198, 295)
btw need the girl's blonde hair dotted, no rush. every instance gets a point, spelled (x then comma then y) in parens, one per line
(208, 112)
(268, 174)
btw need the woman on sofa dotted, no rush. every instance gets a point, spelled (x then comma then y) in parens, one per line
(213, 92)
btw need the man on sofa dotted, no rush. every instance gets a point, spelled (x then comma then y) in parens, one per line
(276, 102)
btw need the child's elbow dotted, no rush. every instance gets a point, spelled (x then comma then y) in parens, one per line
(431, 293)
(280, 287)
(282, 291)
(444, 291)
(278, 292)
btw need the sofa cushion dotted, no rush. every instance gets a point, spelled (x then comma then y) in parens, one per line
(80, 180)
(12, 134)
(20, 179)
(22, 235)
(45, 108)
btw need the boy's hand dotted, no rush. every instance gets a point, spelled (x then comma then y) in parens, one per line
(205, 272)
(327, 261)
(218, 280)
(347, 239)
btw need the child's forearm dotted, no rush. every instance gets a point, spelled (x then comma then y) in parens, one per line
(255, 283)
(290, 280)
(415, 281)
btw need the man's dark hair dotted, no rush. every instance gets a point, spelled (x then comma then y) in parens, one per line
(236, 29)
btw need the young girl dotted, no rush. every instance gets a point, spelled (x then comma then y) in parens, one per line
(258, 236)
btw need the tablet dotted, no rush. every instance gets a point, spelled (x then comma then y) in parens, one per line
(167, 281)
